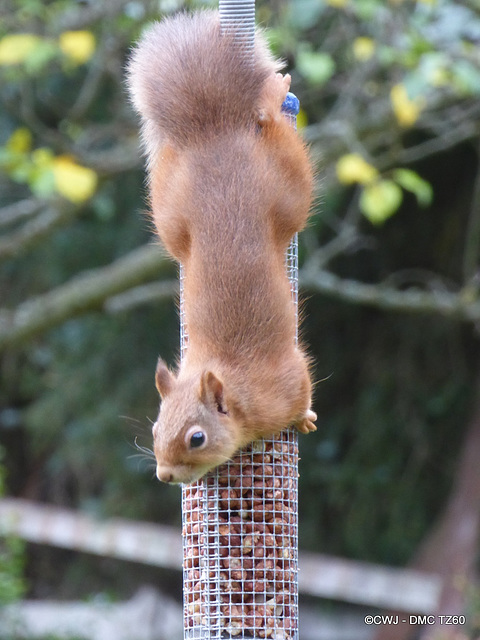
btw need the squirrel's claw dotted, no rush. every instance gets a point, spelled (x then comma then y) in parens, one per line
(307, 423)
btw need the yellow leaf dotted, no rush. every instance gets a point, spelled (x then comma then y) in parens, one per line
(338, 4)
(16, 48)
(406, 110)
(353, 168)
(380, 200)
(79, 46)
(74, 182)
(302, 119)
(363, 48)
(20, 141)
(43, 157)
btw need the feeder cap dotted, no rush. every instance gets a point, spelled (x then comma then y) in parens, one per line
(291, 104)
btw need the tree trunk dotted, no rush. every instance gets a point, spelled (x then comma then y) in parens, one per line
(450, 549)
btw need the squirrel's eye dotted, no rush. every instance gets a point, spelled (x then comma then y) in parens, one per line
(197, 439)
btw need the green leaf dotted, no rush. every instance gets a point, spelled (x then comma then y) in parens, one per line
(20, 170)
(411, 181)
(369, 9)
(305, 13)
(380, 200)
(45, 51)
(466, 77)
(42, 182)
(315, 66)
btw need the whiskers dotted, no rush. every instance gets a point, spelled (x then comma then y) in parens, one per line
(143, 454)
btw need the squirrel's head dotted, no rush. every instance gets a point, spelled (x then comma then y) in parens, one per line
(196, 427)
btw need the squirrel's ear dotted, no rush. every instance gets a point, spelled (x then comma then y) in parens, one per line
(164, 379)
(212, 392)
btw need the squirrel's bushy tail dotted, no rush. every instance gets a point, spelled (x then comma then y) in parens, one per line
(189, 82)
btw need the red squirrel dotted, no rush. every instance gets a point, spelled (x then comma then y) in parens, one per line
(230, 183)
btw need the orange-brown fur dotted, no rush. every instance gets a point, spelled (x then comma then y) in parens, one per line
(230, 182)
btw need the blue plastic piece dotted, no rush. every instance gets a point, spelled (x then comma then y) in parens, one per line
(291, 104)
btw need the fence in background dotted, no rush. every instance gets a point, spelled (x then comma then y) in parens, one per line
(156, 545)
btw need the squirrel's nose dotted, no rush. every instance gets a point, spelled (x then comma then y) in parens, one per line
(164, 475)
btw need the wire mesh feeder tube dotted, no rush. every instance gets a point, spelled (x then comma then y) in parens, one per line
(240, 546)
(240, 529)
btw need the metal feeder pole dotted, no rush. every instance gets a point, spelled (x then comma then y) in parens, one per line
(240, 522)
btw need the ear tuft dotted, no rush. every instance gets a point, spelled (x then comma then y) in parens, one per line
(164, 379)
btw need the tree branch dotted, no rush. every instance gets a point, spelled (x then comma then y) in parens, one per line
(84, 293)
(443, 142)
(17, 211)
(122, 157)
(472, 235)
(144, 294)
(35, 230)
(451, 305)
(81, 17)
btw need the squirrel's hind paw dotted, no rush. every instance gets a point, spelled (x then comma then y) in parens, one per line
(306, 424)
(274, 93)
(280, 85)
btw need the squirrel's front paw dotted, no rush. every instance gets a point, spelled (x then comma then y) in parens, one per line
(307, 423)
(273, 95)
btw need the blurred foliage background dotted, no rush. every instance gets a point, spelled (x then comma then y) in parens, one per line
(389, 269)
